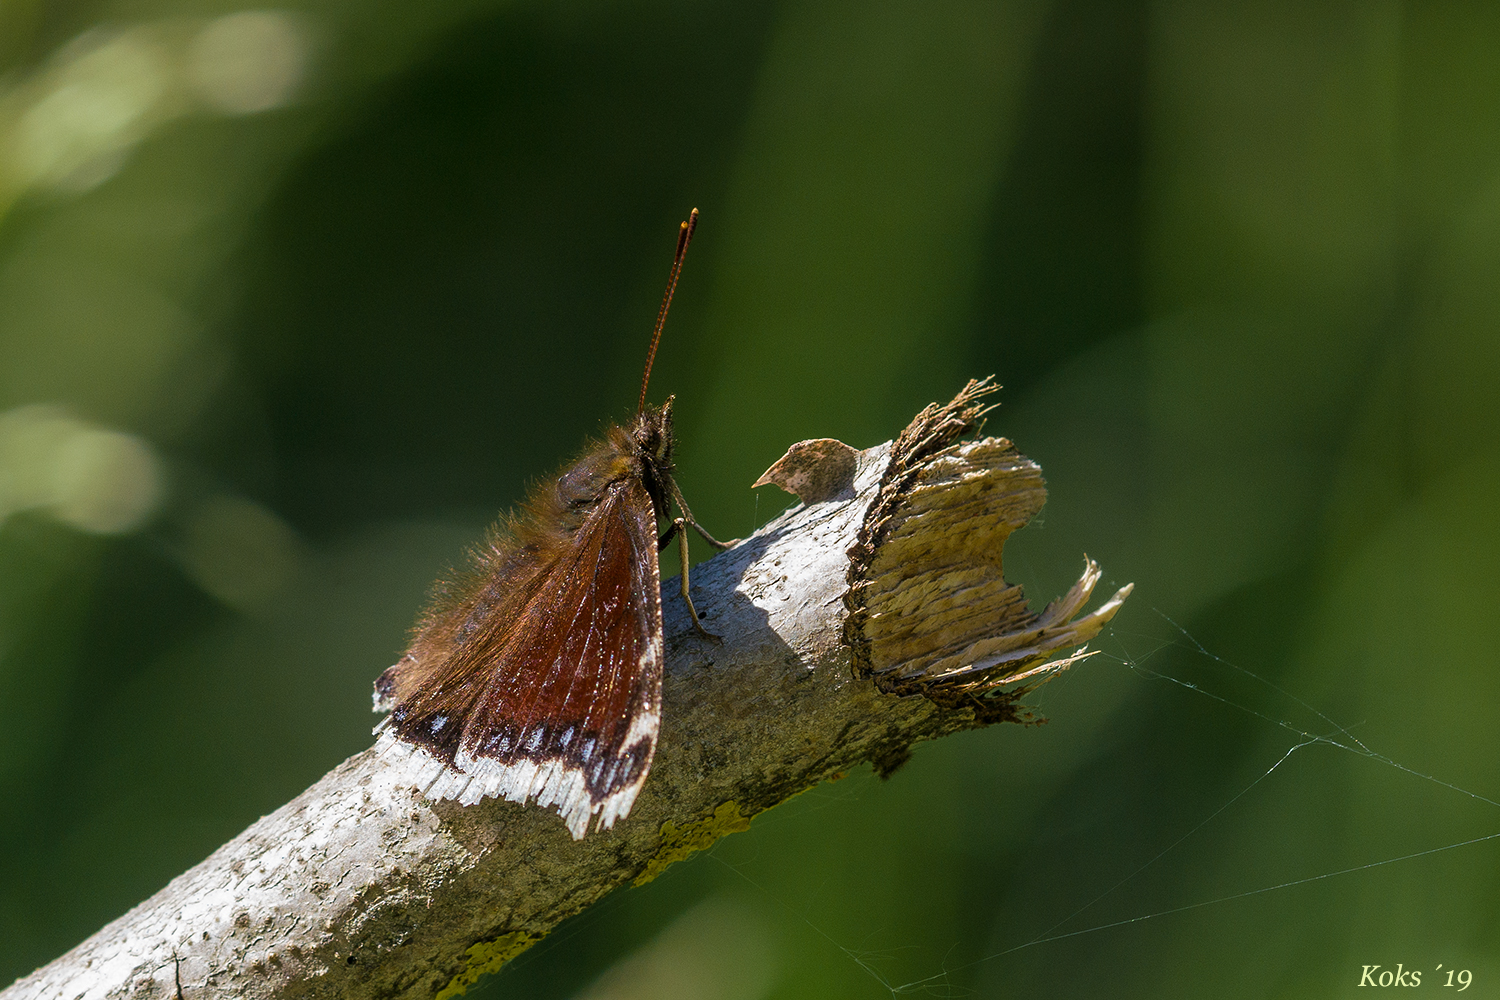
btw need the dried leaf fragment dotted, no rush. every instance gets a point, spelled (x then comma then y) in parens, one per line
(815, 470)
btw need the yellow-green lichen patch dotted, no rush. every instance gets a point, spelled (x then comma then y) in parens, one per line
(486, 957)
(677, 844)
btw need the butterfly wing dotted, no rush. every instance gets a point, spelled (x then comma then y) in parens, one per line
(546, 683)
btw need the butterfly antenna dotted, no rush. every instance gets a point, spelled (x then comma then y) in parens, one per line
(684, 237)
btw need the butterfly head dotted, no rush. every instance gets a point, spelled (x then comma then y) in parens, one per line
(652, 434)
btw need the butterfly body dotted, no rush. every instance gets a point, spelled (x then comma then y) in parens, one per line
(537, 675)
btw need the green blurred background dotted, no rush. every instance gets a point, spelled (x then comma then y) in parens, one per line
(293, 300)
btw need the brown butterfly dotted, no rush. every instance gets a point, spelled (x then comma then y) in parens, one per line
(537, 675)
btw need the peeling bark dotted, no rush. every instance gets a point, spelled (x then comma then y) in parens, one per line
(361, 888)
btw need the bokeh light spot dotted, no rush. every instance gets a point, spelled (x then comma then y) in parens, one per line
(97, 105)
(249, 61)
(239, 551)
(105, 482)
(97, 480)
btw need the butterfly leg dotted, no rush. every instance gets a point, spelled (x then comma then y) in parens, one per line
(678, 528)
(710, 539)
(687, 519)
